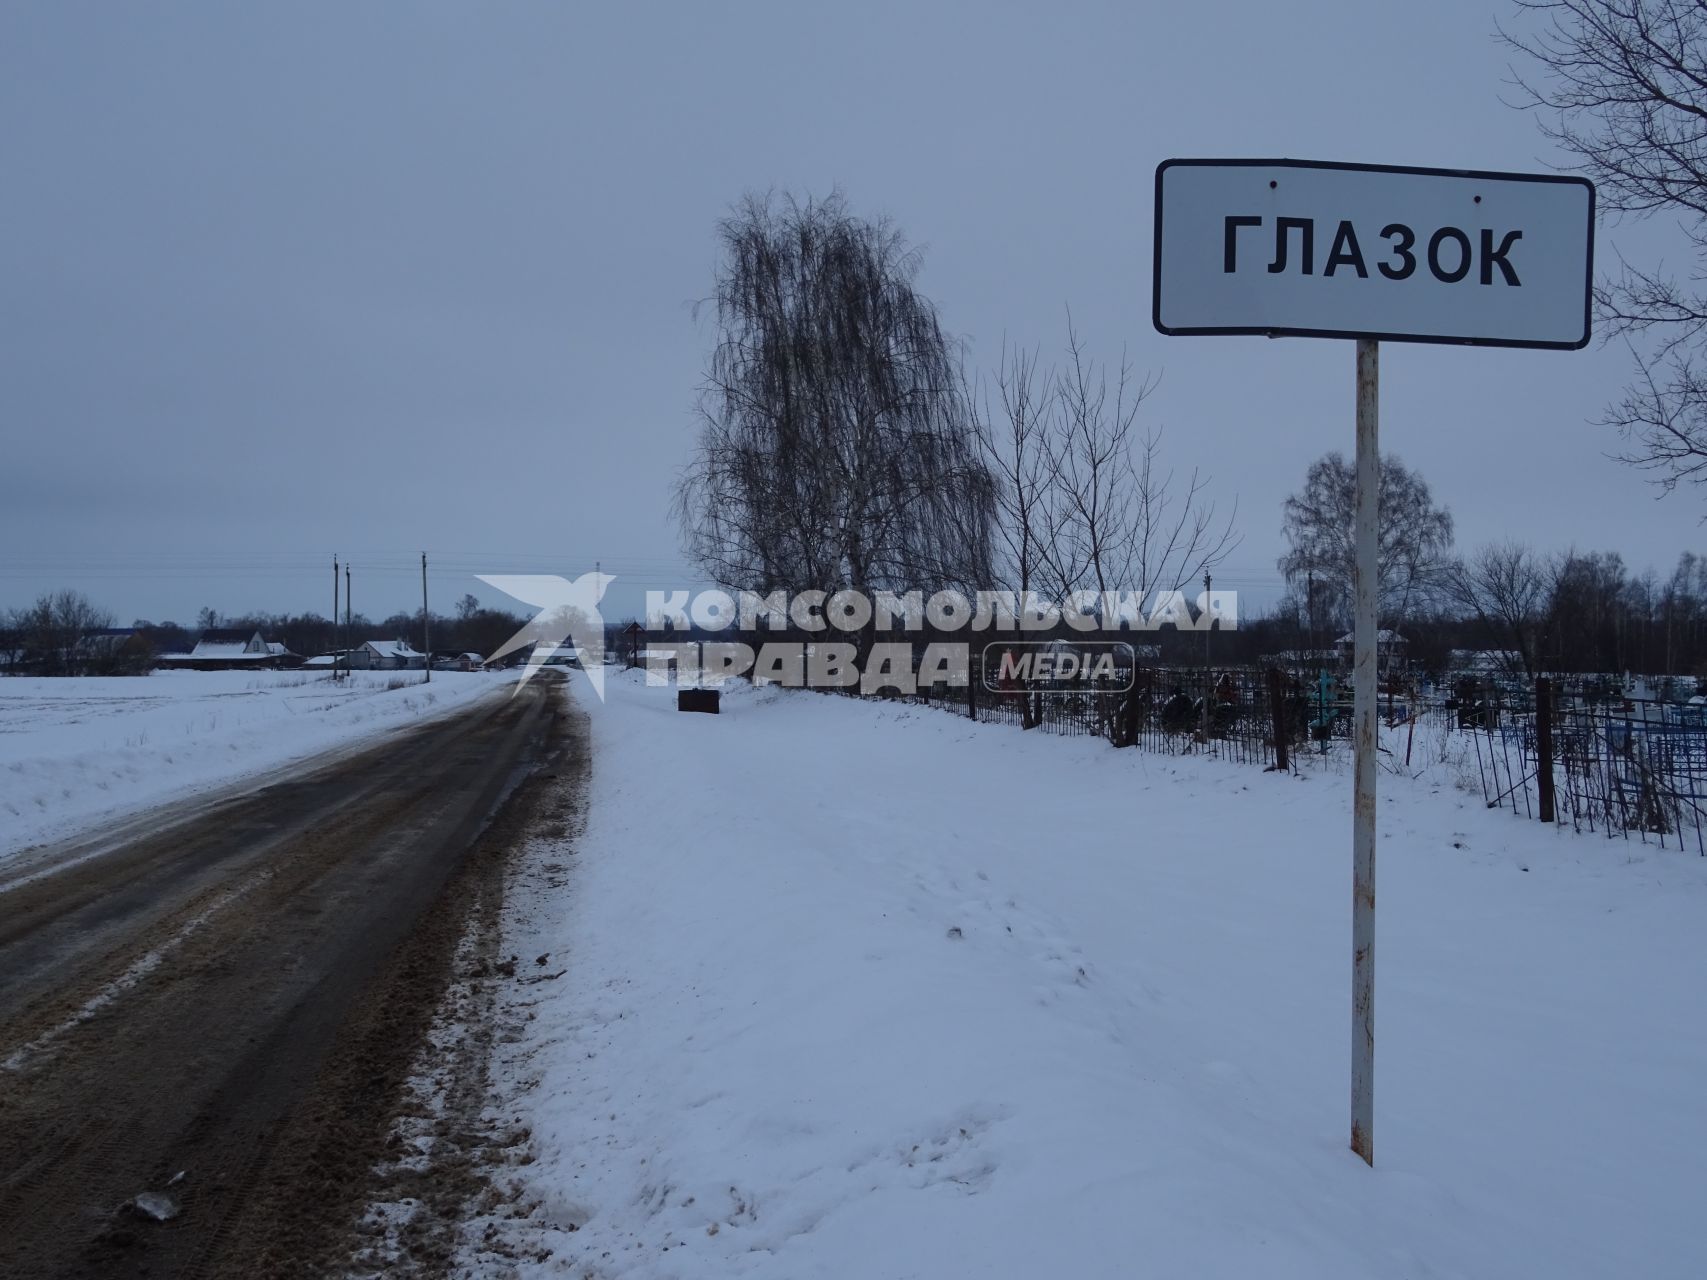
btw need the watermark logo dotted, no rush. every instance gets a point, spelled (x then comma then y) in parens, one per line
(847, 639)
(1051, 666)
(1078, 612)
(568, 614)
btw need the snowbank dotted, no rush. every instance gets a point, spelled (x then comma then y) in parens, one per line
(863, 991)
(76, 752)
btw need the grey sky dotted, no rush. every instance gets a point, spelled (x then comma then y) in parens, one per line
(294, 279)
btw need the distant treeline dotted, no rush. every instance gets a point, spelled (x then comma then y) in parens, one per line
(1569, 612)
(64, 633)
(472, 628)
(1565, 612)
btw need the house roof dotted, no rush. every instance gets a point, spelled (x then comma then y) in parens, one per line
(1383, 636)
(392, 648)
(228, 635)
(225, 649)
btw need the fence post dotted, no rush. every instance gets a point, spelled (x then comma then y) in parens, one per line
(974, 668)
(1544, 745)
(1277, 711)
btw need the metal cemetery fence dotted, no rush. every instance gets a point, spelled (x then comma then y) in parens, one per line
(1164, 710)
(1574, 752)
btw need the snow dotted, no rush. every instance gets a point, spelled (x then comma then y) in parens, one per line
(77, 752)
(857, 990)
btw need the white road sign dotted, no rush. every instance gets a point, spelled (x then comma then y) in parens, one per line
(1317, 249)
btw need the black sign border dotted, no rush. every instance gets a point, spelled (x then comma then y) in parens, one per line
(1265, 332)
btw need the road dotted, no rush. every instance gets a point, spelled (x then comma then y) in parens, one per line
(235, 992)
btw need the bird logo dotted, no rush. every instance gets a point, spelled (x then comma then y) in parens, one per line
(568, 611)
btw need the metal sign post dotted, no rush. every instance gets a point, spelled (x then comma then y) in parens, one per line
(1366, 648)
(1318, 249)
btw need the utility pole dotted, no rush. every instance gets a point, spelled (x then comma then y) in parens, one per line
(335, 628)
(1208, 618)
(1208, 622)
(349, 619)
(426, 623)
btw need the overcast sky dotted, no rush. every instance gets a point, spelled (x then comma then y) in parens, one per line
(289, 280)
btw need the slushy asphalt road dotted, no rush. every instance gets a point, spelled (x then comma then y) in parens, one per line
(232, 990)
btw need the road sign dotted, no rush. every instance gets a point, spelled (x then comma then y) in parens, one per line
(1320, 250)
(1316, 249)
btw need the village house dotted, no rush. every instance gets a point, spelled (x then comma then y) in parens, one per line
(458, 662)
(386, 655)
(223, 649)
(282, 655)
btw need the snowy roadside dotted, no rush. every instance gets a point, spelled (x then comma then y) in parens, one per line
(78, 752)
(860, 990)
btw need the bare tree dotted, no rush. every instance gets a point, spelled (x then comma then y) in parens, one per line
(1623, 89)
(836, 446)
(1019, 437)
(1083, 499)
(1415, 537)
(56, 633)
(1588, 622)
(1176, 531)
(1505, 585)
(1683, 606)
(14, 640)
(1095, 475)
(1126, 522)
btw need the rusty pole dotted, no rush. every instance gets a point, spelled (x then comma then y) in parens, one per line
(1363, 787)
(1544, 747)
(1277, 714)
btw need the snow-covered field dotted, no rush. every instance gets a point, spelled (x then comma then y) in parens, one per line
(75, 752)
(868, 991)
